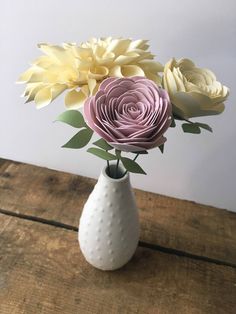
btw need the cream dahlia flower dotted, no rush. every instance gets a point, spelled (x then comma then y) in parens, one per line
(193, 91)
(81, 69)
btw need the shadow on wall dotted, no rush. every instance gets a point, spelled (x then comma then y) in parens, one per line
(207, 183)
(207, 44)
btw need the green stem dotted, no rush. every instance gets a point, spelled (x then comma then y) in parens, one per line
(136, 157)
(133, 160)
(116, 172)
(181, 118)
(108, 168)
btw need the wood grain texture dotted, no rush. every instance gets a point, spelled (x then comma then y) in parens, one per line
(165, 221)
(43, 271)
(4, 163)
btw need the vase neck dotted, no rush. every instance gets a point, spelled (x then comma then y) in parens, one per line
(123, 178)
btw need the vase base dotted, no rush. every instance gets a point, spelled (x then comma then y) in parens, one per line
(111, 265)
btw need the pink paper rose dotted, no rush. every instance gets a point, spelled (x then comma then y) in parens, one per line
(131, 114)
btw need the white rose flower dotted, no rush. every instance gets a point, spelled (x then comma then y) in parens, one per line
(193, 91)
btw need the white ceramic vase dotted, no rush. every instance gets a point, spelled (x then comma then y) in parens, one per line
(109, 224)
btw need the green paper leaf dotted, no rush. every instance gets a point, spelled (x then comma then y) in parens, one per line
(73, 118)
(204, 126)
(131, 165)
(103, 144)
(191, 128)
(118, 153)
(161, 147)
(101, 153)
(80, 139)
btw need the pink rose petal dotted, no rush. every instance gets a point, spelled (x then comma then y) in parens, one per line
(132, 114)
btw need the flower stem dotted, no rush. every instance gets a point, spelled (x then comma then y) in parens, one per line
(180, 118)
(117, 164)
(108, 168)
(136, 157)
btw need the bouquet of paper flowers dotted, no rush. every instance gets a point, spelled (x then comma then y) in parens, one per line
(128, 98)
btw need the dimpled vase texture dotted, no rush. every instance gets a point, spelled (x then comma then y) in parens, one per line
(109, 224)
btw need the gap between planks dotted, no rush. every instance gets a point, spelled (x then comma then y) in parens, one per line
(154, 247)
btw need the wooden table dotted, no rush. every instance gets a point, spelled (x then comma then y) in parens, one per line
(185, 263)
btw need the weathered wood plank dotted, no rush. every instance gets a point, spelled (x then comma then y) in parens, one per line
(43, 271)
(4, 163)
(165, 221)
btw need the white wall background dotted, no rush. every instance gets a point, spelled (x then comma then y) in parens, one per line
(195, 167)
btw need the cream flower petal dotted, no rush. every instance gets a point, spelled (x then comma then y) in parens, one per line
(99, 73)
(75, 99)
(132, 70)
(178, 81)
(88, 64)
(171, 84)
(40, 76)
(25, 77)
(82, 53)
(85, 90)
(225, 91)
(193, 91)
(33, 91)
(59, 54)
(184, 62)
(116, 71)
(92, 83)
(107, 59)
(47, 94)
(124, 59)
(28, 89)
(151, 65)
(140, 43)
(43, 62)
(195, 105)
(43, 97)
(154, 77)
(119, 46)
